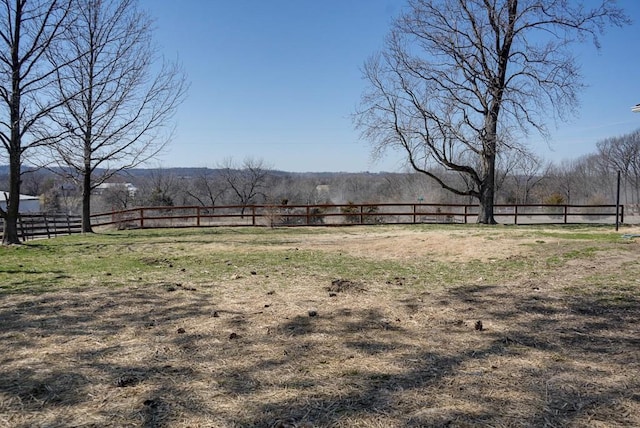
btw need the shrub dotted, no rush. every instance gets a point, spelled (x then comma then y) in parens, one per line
(554, 199)
(317, 216)
(272, 215)
(372, 219)
(351, 213)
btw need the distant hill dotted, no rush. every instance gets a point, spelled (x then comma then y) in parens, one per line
(199, 171)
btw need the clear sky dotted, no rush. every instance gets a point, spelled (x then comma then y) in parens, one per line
(278, 80)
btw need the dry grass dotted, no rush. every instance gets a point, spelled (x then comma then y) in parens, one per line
(279, 345)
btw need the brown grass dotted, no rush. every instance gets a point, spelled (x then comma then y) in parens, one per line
(555, 349)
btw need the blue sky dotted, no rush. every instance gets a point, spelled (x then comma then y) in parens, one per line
(277, 80)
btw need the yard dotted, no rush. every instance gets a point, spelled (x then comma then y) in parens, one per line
(372, 326)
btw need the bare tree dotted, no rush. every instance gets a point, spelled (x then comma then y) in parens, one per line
(120, 97)
(529, 173)
(35, 182)
(569, 180)
(28, 30)
(207, 188)
(117, 196)
(461, 80)
(247, 182)
(595, 185)
(623, 154)
(159, 188)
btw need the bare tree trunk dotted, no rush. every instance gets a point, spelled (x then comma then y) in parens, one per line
(10, 235)
(86, 167)
(487, 188)
(86, 202)
(485, 214)
(13, 203)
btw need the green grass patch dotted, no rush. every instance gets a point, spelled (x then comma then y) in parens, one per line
(212, 255)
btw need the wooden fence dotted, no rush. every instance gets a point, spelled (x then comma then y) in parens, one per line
(351, 214)
(34, 226)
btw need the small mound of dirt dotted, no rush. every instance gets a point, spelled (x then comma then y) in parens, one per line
(154, 261)
(344, 285)
(129, 379)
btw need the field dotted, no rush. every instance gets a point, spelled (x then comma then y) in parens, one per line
(379, 326)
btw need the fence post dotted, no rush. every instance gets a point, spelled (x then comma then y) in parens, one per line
(361, 216)
(515, 215)
(465, 214)
(141, 218)
(566, 210)
(46, 225)
(414, 213)
(253, 215)
(198, 216)
(21, 228)
(617, 201)
(308, 215)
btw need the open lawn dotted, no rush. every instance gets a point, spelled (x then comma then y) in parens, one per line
(378, 326)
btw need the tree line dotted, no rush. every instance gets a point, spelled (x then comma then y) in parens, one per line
(587, 180)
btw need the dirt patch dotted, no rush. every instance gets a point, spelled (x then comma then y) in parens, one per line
(447, 245)
(397, 243)
(344, 285)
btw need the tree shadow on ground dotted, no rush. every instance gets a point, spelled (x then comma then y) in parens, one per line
(152, 358)
(574, 357)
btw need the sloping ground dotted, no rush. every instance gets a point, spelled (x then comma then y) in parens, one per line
(553, 341)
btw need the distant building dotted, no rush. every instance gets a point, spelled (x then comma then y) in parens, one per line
(28, 204)
(112, 186)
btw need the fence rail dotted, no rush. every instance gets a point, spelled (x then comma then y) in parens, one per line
(33, 226)
(350, 214)
(45, 225)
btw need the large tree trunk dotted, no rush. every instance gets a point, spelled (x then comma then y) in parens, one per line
(86, 175)
(10, 235)
(488, 169)
(86, 202)
(485, 214)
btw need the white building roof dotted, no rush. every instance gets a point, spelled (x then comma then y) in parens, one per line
(22, 197)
